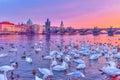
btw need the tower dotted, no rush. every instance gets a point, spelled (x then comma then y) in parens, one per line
(47, 26)
(61, 25)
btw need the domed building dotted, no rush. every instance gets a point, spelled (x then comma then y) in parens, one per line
(29, 22)
(33, 28)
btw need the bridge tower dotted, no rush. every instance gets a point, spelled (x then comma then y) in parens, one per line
(61, 29)
(110, 31)
(95, 31)
(47, 26)
(61, 25)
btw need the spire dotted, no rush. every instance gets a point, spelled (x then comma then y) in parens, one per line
(47, 23)
(48, 20)
(61, 25)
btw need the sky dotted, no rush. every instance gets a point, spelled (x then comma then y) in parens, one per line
(74, 13)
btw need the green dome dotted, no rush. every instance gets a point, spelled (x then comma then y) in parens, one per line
(29, 21)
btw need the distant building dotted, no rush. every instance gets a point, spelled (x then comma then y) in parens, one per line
(52, 28)
(29, 27)
(38, 29)
(29, 22)
(34, 28)
(22, 27)
(8, 27)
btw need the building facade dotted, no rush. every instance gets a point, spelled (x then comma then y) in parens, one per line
(29, 27)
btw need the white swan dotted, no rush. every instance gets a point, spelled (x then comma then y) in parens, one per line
(79, 61)
(58, 56)
(37, 78)
(3, 76)
(3, 55)
(38, 49)
(52, 53)
(111, 63)
(47, 57)
(54, 62)
(76, 74)
(6, 68)
(28, 59)
(13, 50)
(62, 67)
(107, 56)
(110, 70)
(45, 71)
(44, 77)
(95, 56)
(67, 58)
(81, 66)
(116, 56)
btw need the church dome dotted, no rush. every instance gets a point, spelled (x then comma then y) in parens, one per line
(29, 21)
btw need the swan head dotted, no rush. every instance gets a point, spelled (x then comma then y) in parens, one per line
(14, 65)
(45, 77)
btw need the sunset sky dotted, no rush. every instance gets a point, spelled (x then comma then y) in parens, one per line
(75, 13)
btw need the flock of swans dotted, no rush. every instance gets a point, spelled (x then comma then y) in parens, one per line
(71, 59)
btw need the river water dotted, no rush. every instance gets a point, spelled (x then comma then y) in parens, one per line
(25, 43)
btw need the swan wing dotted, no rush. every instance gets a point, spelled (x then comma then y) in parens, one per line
(47, 57)
(76, 73)
(81, 66)
(28, 59)
(37, 78)
(59, 68)
(45, 71)
(79, 61)
(6, 68)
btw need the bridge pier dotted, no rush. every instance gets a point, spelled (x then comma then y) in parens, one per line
(96, 31)
(110, 33)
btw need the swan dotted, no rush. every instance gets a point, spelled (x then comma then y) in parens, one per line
(3, 55)
(107, 56)
(37, 49)
(116, 56)
(54, 62)
(110, 70)
(58, 56)
(67, 58)
(47, 57)
(95, 56)
(3, 76)
(62, 67)
(79, 61)
(45, 71)
(7, 68)
(76, 74)
(76, 55)
(52, 53)
(44, 77)
(81, 66)
(37, 78)
(28, 59)
(111, 63)
(13, 50)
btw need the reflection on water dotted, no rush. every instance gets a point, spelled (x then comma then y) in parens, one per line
(53, 42)
(47, 41)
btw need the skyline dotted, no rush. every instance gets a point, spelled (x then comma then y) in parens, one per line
(78, 14)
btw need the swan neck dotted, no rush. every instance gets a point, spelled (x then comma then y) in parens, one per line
(5, 76)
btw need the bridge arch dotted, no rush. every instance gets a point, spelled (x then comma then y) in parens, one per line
(103, 31)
